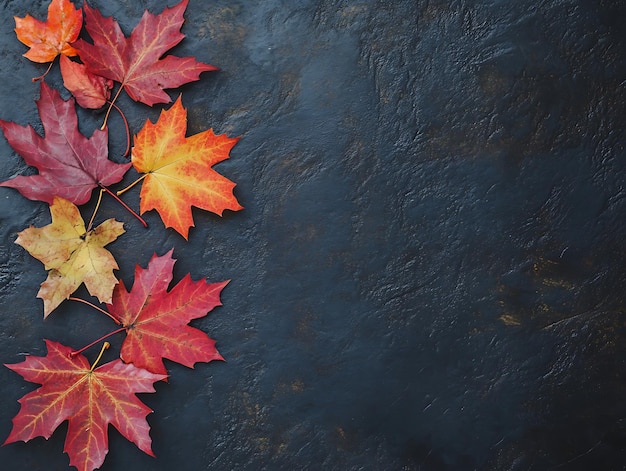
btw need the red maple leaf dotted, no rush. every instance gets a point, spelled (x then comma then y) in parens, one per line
(90, 90)
(156, 319)
(89, 398)
(70, 165)
(137, 62)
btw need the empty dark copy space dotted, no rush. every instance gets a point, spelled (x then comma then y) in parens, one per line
(430, 269)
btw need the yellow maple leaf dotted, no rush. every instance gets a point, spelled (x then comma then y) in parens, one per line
(72, 254)
(178, 171)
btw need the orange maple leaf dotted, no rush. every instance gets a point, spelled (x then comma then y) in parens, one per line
(48, 39)
(178, 171)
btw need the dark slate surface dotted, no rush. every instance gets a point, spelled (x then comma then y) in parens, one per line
(429, 270)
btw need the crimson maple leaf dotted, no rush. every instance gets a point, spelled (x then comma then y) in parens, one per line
(137, 62)
(156, 319)
(70, 165)
(89, 398)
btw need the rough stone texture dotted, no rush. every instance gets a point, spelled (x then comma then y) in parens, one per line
(429, 270)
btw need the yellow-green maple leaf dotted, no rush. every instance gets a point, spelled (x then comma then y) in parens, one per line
(72, 254)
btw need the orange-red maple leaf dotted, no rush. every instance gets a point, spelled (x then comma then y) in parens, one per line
(156, 319)
(90, 90)
(137, 62)
(48, 39)
(178, 169)
(88, 398)
(70, 165)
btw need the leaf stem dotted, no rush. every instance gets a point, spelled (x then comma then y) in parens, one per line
(37, 79)
(71, 298)
(110, 334)
(120, 192)
(111, 104)
(125, 127)
(95, 210)
(105, 345)
(117, 198)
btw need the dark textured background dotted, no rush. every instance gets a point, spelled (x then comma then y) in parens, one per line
(429, 270)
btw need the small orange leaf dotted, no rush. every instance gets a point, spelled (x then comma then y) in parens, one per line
(53, 37)
(90, 91)
(178, 169)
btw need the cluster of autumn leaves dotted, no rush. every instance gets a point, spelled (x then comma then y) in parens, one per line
(175, 173)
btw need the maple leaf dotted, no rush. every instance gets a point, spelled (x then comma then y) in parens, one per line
(72, 254)
(90, 90)
(137, 62)
(156, 319)
(48, 39)
(89, 399)
(178, 170)
(70, 165)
